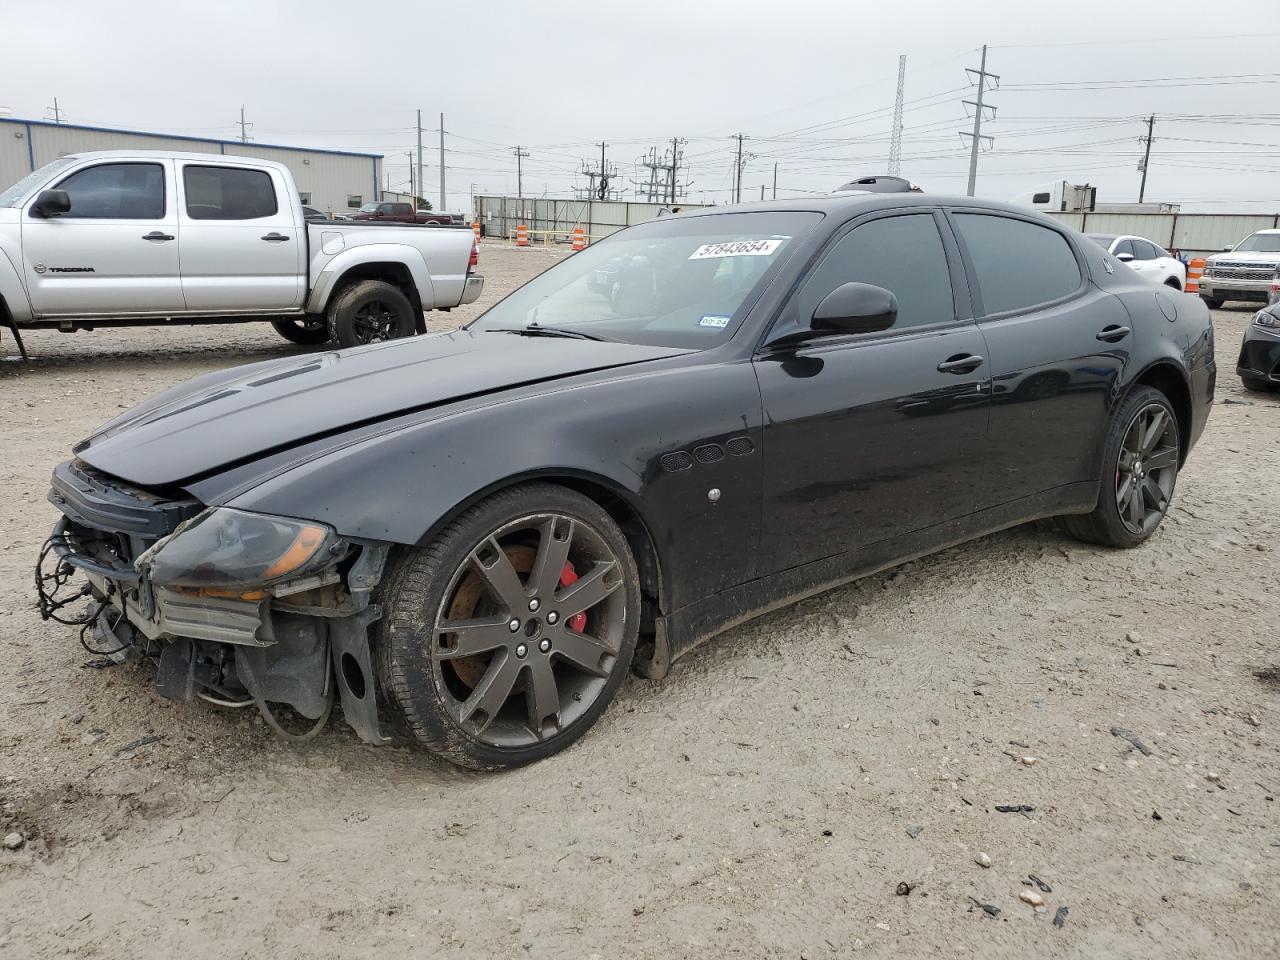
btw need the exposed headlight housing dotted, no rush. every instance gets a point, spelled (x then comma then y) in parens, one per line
(226, 552)
(1267, 319)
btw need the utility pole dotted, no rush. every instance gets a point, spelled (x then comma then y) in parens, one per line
(244, 131)
(442, 203)
(411, 190)
(762, 192)
(775, 181)
(977, 136)
(895, 141)
(57, 113)
(520, 153)
(737, 178)
(1146, 156)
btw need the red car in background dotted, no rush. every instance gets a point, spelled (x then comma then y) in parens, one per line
(399, 212)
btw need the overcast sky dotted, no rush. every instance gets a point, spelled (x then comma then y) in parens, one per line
(811, 85)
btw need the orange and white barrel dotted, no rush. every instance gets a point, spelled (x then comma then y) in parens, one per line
(475, 228)
(522, 235)
(579, 238)
(1195, 270)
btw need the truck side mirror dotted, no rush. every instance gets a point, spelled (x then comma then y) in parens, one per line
(51, 203)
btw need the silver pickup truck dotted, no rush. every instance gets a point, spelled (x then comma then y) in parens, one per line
(115, 238)
(1247, 271)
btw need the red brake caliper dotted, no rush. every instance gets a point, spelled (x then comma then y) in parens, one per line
(568, 577)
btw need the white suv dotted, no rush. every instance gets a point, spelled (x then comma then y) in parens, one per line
(1149, 260)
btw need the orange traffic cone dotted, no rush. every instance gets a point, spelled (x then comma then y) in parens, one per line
(475, 228)
(579, 238)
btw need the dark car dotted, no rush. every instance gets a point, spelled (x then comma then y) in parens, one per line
(311, 213)
(480, 531)
(1259, 363)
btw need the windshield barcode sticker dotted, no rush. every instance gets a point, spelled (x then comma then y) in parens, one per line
(736, 248)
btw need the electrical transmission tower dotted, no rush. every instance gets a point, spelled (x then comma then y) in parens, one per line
(56, 111)
(244, 127)
(664, 184)
(977, 137)
(895, 141)
(599, 180)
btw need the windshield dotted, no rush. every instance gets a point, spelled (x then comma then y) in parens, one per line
(369, 208)
(1259, 243)
(679, 282)
(15, 194)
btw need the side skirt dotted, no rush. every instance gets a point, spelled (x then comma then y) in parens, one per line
(694, 624)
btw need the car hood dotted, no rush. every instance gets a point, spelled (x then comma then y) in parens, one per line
(237, 415)
(1250, 256)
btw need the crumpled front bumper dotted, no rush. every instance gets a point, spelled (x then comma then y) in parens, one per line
(1259, 354)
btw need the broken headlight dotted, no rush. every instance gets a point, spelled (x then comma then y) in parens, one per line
(225, 552)
(1268, 320)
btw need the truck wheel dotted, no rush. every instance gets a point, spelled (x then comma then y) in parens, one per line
(370, 311)
(309, 331)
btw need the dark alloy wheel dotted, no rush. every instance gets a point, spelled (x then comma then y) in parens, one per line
(308, 331)
(1146, 468)
(1141, 461)
(371, 311)
(510, 634)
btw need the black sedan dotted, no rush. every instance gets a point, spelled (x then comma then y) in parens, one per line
(1259, 363)
(479, 532)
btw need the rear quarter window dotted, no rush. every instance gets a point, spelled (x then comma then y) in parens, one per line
(1017, 264)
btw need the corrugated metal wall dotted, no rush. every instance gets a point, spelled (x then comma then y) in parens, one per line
(1196, 234)
(554, 220)
(329, 178)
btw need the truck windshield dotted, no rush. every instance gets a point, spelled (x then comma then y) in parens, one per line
(14, 195)
(369, 208)
(678, 282)
(1259, 243)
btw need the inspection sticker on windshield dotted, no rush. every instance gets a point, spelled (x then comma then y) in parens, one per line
(736, 248)
(714, 322)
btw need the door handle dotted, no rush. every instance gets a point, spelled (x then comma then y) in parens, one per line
(961, 363)
(1113, 333)
(275, 238)
(157, 235)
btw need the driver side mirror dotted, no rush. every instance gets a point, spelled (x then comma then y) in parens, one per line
(856, 308)
(51, 203)
(1228, 248)
(1125, 257)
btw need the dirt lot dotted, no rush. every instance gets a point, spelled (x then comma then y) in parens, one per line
(758, 803)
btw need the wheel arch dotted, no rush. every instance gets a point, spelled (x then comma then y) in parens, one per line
(402, 267)
(1167, 377)
(609, 495)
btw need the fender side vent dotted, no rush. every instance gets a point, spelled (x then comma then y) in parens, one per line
(709, 453)
(677, 461)
(740, 446)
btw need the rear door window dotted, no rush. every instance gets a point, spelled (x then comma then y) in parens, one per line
(1124, 246)
(1017, 264)
(228, 193)
(116, 191)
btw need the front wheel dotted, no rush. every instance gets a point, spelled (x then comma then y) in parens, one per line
(370, 311)
(507, 636)
(1140, 468)
(308, 331)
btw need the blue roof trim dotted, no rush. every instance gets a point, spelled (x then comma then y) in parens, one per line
(178, 136)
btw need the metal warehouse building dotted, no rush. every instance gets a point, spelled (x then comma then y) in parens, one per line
(334, 181)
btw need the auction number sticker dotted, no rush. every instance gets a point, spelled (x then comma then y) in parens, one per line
(737, 248)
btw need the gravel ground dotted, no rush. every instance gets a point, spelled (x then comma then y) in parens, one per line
(766, 800)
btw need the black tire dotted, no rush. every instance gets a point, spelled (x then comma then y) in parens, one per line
(308, 331)
(1213, 303)
(370, 311)
(420, 664)
(1105, 525)
(1257, 385)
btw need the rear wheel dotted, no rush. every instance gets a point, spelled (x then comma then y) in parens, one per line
(310, 330)
(1140, 465)
(370, 311)
(509, 635)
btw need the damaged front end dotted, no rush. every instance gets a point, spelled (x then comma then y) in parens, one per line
(234, 607)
